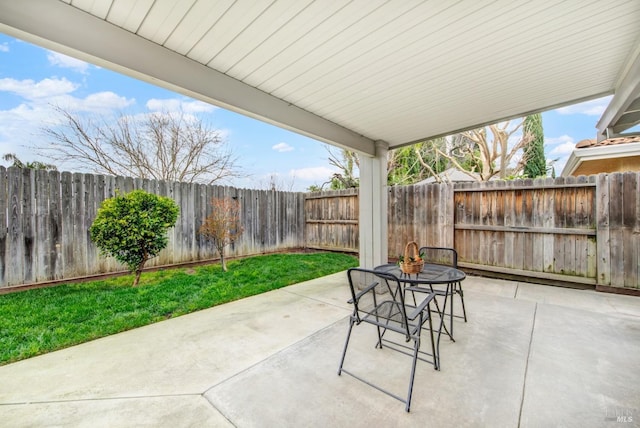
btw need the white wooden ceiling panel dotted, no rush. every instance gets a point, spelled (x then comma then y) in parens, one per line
(399, 71)
(362, 35)
(407, 121)
(398, 106)
(195, 24)
(466, 96)
(290, 62)
(426, 62)
(436, 71)
(261, 30)
(227, 28)
(251, 68)
(129, 14)
(413, 30)
(99, 8)
(465, 69)
(163, 17)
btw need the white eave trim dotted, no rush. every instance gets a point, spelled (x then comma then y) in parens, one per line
(596, 153)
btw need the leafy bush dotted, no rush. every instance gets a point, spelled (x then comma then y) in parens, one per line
(132, 228)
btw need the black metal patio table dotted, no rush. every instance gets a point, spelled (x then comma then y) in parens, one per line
(432, 274)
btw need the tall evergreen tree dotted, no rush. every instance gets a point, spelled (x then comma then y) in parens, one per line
(535, 163)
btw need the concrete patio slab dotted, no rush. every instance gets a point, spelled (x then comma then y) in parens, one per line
(582, 369)
(480, 383)
(529, 356)
(168, 411)
(586, 299)
(185, 355)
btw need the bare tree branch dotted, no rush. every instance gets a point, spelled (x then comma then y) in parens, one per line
(426, 164)
(162, 146)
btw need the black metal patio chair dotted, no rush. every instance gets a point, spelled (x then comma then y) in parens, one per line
(379, 299)
(446, 256)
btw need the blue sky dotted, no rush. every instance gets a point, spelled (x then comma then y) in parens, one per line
(32, 79)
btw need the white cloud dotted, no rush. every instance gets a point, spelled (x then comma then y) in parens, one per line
(551, 141)
(559, 146)
(563, 149)
(590, 108)
(20, 130)
(21, 126)
(54, 91)
(175, 104)
(65, 61)
(282, 147)
(100, 102)
(4, 47)
(314, 174)
(32, 90)
(558, 151)
(18, 120)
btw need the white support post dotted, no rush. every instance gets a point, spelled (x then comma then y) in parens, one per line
(373, 228)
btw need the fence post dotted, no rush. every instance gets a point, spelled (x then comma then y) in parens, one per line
(603, 249)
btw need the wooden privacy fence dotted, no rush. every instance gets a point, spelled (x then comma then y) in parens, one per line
(584, 230)
(331, 220)
(543, 228)
(45, 218)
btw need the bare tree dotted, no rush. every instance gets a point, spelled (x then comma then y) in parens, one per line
(347, 162)
(275, 182)
(223, 225)
(483, 156)
(161, 146)
(412, 164)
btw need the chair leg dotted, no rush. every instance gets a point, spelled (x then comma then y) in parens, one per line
(416, 348)
(346, 344)
(453, 293)
(461, 293)
(435, 352)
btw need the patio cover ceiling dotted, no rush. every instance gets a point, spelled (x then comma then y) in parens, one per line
(351, 73)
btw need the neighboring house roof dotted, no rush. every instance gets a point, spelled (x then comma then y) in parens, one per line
(451, 175)
(611, 155)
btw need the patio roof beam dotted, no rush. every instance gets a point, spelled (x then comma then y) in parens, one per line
(622, 112)
(61, 27)
(629, 119)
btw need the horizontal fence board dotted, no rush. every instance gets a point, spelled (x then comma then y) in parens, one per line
(526, 229)
(459, 188)
(528, 273)
(331, 220)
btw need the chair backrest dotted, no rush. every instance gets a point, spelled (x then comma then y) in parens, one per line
(440, 255)
(378, 298)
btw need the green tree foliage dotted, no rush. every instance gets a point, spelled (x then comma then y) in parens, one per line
(535, 163)
(132, 228)
(411, 164)
(17, 163)
(407, 165)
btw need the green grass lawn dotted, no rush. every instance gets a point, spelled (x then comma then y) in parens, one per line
(43, 320)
